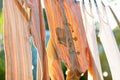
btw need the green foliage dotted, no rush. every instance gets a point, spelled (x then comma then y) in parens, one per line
(64, 69)
(1, 18)
(45, 19)
(104, 64)
(1, 1)
(117, 35)
(1, 27)
(2, 57)
(2, 65)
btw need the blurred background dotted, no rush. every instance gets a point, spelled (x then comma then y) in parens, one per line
(104, 63)
(2, 56)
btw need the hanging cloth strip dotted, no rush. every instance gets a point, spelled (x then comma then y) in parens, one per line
(37, 28)
(91, 37)
(115, 17)
(16, 41)
(27, 20)
(55, 69)
(68, 35)
(109, 44)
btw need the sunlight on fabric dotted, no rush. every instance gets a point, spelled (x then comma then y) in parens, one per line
(90, 76)
(115, 6)
(32, 67)
(42, 4)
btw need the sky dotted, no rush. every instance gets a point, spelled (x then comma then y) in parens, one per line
(115, 5)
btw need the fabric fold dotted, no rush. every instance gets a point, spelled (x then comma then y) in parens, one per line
(68, 35)
(16, 43)
(91, 38)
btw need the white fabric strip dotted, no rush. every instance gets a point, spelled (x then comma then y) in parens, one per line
(91, 37)
(110, 45)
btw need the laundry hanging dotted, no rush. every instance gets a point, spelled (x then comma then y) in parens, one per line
(23, 19)
(16, 42)
(68, 35)
(109, 43)
(55, 69)
(115, 17)
(91, 36)
(38, 34)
